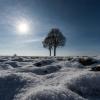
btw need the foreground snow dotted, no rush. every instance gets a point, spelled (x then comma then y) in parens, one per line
(43, 78)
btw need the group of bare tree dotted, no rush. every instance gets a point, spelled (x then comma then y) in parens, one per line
(53, 40)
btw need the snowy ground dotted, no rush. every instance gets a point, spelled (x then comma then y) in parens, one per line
(45, 78)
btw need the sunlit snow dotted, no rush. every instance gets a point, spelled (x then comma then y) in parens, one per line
(48, 78)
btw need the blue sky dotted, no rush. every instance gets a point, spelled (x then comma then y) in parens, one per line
(79, 21)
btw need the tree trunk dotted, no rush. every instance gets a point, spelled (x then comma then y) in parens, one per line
(50, 51)
(54, 51)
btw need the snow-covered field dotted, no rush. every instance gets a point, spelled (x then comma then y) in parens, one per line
(49, 78)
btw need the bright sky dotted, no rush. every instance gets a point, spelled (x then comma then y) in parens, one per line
(24, 24)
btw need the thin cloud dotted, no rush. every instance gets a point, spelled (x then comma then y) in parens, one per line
(32, 40)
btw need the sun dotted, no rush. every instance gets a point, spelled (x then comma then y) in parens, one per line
(23, 28)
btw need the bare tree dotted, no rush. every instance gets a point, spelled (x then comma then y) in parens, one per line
(47, 43)
(57, 39)
(54, 40)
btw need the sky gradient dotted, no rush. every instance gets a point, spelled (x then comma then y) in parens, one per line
(78, 20)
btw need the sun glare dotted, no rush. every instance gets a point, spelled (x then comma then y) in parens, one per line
(23, 28)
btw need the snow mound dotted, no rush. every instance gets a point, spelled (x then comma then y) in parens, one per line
(19, 59)
(14, 64)
(47, 69)
(71, 64)
(3, 60)
(41, 70)
(87, 61)
(22, 59)
(87, 85)
(43, 62)
(10, 86)
(53, 94)
(5, 66)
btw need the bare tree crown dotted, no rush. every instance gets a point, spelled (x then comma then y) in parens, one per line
(54, 39)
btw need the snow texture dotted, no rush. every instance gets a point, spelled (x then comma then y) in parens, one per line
(49, 78)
